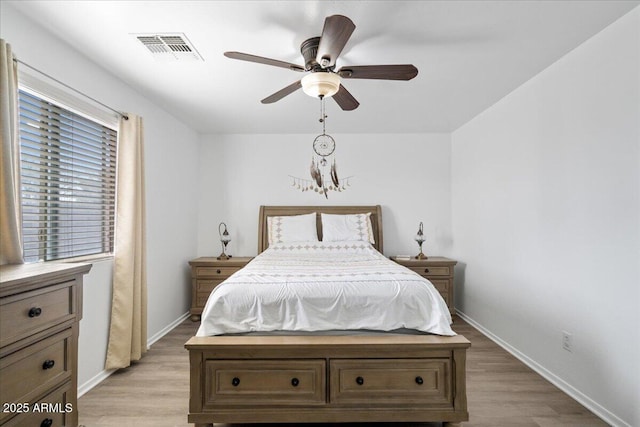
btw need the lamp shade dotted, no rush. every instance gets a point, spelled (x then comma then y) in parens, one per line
(321, 83)
(420, 235)
(224, 234)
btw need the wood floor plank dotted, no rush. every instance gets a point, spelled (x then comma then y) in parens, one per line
(501, 391)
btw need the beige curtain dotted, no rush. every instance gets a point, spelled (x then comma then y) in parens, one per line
(10, 206)
(128, 330)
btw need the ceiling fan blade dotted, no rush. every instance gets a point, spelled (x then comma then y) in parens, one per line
(335, 34)
(262, 60)
(381, 72)
(345, 100)
(282, 93)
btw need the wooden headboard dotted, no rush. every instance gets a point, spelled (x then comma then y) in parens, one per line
(266, 211)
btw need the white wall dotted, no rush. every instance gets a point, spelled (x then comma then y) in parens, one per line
(546, 219)
(408, 174)
(170, 146)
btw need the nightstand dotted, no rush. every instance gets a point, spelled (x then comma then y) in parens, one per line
(206, 274)
(438, 270)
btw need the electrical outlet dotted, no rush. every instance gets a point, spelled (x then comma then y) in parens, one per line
(567, 341)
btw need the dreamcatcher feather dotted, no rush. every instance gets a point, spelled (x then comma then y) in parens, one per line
(334, 174)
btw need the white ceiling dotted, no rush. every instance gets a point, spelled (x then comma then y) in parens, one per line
(469, 55)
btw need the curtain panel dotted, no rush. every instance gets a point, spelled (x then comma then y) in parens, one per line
(10, 188)
(128, 328)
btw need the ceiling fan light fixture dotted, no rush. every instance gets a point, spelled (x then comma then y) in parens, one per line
(320, 83)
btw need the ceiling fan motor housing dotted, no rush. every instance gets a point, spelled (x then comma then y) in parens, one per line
(309, 50)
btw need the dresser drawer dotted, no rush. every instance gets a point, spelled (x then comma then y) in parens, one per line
(264, 382)
(217, 272)
(24, 314)
(440, 270)
(37, 368)
(57, 407)
(391, 381)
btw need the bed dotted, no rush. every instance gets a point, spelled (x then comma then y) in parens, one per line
(373, 369)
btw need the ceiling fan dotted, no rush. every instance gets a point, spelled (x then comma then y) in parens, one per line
(320, 55)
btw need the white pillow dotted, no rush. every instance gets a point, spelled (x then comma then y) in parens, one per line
(337, 228)
(292, 228)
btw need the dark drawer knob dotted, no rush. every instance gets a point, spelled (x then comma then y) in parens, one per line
(235, 381)
(35, 312)
(360, 380)
(47, 422)
(295, 382)
(426, 270)
(218, 271)
(48, 364)
(419, 380)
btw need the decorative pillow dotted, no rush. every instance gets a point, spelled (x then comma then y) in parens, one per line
(352, 227)
(292, 228)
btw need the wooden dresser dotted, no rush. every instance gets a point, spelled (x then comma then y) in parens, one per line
(206, 274)
(40, 309)
(439, 271)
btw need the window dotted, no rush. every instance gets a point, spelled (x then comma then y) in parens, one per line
(68, 165)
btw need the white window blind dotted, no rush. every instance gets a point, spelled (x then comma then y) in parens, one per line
(68, 169)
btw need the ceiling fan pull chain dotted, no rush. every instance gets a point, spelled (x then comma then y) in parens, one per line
(323, 116)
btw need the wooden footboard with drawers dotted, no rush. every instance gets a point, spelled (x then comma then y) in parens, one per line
(358, 378)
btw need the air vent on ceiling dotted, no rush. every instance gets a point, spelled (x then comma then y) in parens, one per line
(174, 46)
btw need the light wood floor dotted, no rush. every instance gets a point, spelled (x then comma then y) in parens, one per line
(501, 391)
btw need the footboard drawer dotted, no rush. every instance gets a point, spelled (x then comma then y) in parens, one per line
(264, 382)
(392, 381)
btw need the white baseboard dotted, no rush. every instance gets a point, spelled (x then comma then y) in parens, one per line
(88, 385)
(576, 394)
(167, 329)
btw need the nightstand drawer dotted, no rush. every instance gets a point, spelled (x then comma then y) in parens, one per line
(202, 298)
(440, 270)
(218, 272)
(206, 286)
(206, 274)
(441, 285)
(25, 314)
(39, 367)
(204, 289)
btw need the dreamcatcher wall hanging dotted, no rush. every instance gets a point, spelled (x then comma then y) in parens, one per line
(323, 170)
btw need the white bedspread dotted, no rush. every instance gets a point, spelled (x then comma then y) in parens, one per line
(323, 286)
